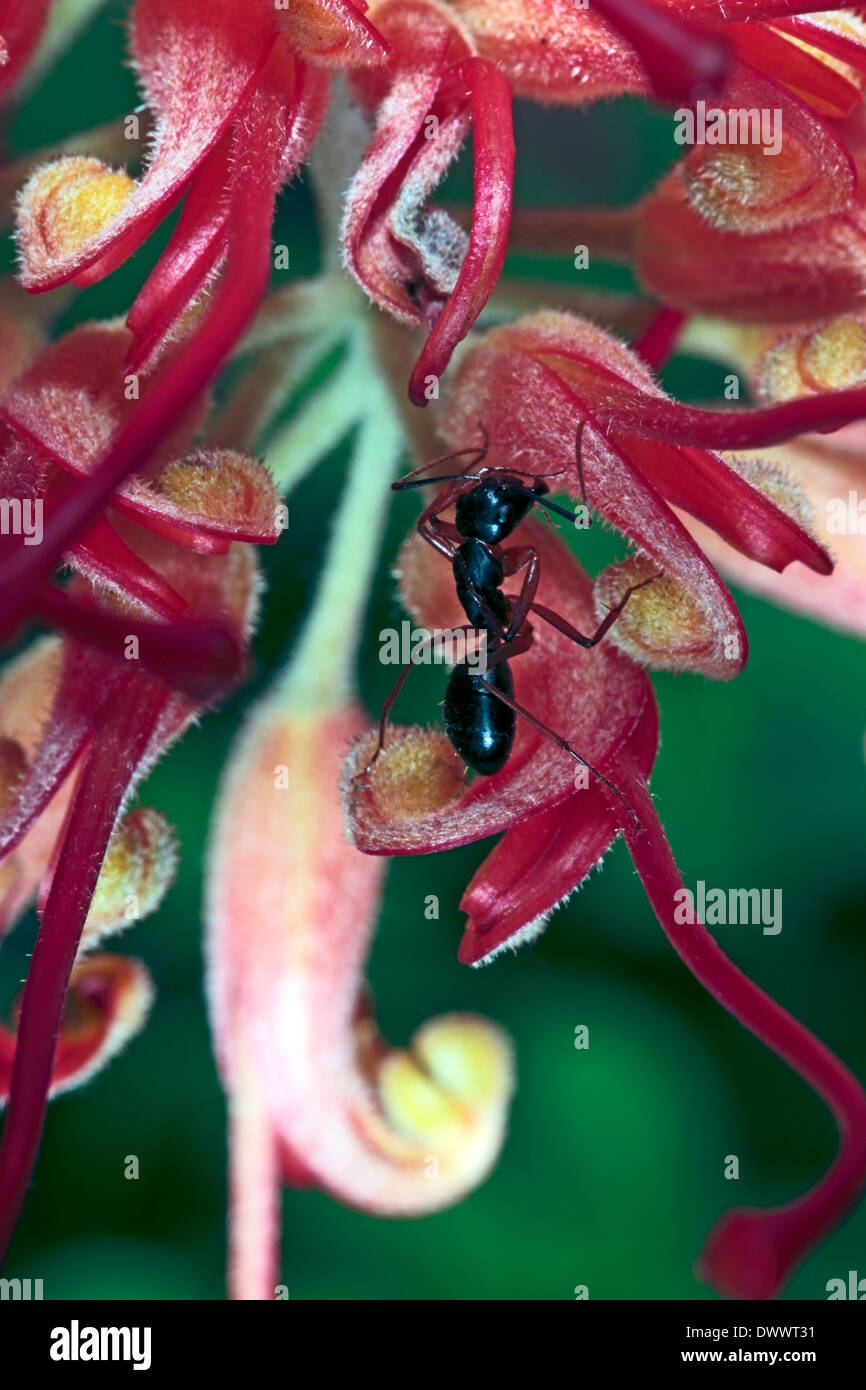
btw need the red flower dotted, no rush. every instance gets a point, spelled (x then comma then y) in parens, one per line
(316, 1096)
(556, 834)
(412, 259)
(533, 384)
(106, 722)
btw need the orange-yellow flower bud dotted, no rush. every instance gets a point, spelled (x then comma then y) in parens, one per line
(66, 203)
(661, 624)
(222, 486)
(417, 772)
(137, 871)
(830, 358)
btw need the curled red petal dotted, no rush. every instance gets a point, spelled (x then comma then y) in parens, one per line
(197, 63)
(538, 864)
(797, 171)
(108, 1001)
(531, 384)
(712, 491)
(378, 263)
(490, 98)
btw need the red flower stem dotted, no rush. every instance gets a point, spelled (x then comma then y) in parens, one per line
(658, 342)
(102, 785)
(682, 61)
(199, 658)
(750, 1253)
(186, 377)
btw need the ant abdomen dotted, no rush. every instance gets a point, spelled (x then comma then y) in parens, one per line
(480, 726)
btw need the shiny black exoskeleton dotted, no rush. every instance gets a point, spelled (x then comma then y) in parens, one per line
(492, 509)
(479, 709)
(478, 722)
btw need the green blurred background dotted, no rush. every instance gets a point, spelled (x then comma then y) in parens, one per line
(613, 1170)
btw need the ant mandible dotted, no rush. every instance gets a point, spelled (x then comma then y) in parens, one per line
(479, 709)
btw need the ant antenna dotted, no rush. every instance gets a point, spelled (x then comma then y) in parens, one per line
(415, 478)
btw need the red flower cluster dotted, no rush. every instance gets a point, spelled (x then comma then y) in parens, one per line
(111, 446)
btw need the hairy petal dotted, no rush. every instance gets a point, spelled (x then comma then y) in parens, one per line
(197, 63)
(289, 937)
(108, 1003)
(335, 33)
(537, 865)
(592, 698)
(827, 473)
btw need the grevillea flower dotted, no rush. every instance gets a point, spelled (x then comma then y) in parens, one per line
(315, 1095)
(58, 420)
(412, 259)
(822, 472)
(70, 773)
(532, 385)
(245, 129)
(769, 232)
(556, 830)
(146, 473)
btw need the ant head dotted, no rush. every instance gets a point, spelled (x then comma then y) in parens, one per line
(492, 506)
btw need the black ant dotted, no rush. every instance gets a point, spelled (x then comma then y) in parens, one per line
(479, 709)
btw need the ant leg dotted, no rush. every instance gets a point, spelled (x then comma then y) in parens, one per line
(604, 626)
(440, 534)
(516, 648)
(541, 501)
(393, 695)
(514, 560)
